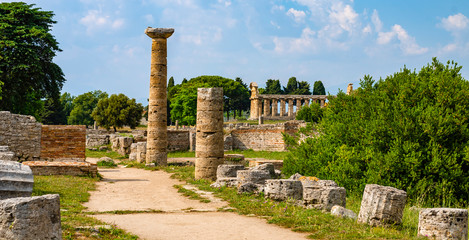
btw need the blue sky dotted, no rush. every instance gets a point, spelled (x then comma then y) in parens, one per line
(335, 41)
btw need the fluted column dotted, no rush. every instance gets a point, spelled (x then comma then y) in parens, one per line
(266, 107)
(282, 107)
(274, 107)
(157, 137)
(323, 101)
(307, 102)
(290, 107)
(298, 104)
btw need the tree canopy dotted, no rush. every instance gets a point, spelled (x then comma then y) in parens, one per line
(409, 131)
(272, 87)
(318, 88)
(26, 68)
(184, 97)
(117, 111)
(83, 106)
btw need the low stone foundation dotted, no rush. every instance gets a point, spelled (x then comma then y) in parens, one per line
(43, 168)
(278, 164)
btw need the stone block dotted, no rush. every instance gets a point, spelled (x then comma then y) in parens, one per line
(324, 198)
(30, 218)
(343, 212)
(228, 182)
(443, 223)
(253, 176)
(382, 205)
(228, 171)
(266, 167)
(133, 156)
(283, 189)
(249, 187)
(16, 180)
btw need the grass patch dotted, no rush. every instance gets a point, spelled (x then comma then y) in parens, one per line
(73, 192)
(191, 194)
(318, 224)
(260, 154)
(106, 163)
(181, 154)
(104, 153)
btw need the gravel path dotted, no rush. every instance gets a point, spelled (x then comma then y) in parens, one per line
(178, 217)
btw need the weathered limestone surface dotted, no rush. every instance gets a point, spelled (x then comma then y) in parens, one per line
(63, 143)
(16, 180)
(209, 132)
(269, 167)
(382, 205)
(443, 223)
(96, 140)
(252, 180)
(122, 145)
(46, 168)
(6, 154)
(228, 171)
(322, 197)
(22, 134)
(30, 218)
(283, 189)
(343, 212)
(157, 137)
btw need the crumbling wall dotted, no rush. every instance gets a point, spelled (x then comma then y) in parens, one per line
(265, 137)
(63, 143)
(22, 134)
(178, 140)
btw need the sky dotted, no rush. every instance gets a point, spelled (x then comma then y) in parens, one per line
(336, 41)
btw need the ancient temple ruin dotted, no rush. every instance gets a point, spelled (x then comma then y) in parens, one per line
(267, 105)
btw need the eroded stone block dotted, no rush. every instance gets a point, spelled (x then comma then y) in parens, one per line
(30, 218)
(323, 197)
(16, 180)
(283, 189)
(343, 212)
(382, 205)
(443, 223)
(228, 171)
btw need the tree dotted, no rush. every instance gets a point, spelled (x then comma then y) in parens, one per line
(118, 111)
(408, 131)
(184, 102)
(292, 86)
(272, 87)
(54, 112)
(303, 88)
(66, 100)
(170, 82)
(83, 106)
(242, 102)
(311, 113)
(318, 88)
(26, 67)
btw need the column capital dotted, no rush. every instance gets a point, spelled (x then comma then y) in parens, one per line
(159, 32)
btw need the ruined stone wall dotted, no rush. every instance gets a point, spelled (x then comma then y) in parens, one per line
(266, 137)
(178, 140)
(22, 134)
(63, 143)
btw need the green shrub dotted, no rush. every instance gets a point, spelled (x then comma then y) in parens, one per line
(311, 113)
(409, 131)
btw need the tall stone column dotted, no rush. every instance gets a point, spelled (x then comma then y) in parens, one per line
(323, 102)
(307, 102)
(282, 107)
(157, 136)
(209, 137)
(254, 101)
(298, 104)
(274, 107)
(266, 107)
(290, 107)
(259, 108)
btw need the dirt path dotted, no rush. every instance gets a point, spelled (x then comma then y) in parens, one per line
(178, 217)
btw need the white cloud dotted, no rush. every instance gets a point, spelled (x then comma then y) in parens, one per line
(277, 8)
(367, 29)
(301, 44)
(274, 24)
(226, 3)
(297, 15)
(407, 43)
(455, 22)
(149, 18)
(344, 16)
(95, 20)
(376, 21)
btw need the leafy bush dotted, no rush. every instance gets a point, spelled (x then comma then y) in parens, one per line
(409, 131)
(311, 113)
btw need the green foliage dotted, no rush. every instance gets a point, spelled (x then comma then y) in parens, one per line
(117, 111)
(318, 88)
(184, 97)
(272, 87)
(311, 113)
(27, 49)
(83, 106)
(296, 88)
(106, 163)
(54, 112)
(409, 131)
(66, 100)
(170, 82)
